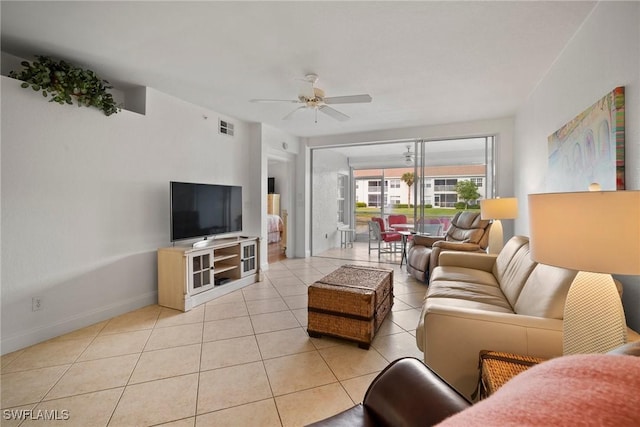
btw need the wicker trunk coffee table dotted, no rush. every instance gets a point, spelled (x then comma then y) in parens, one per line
(350, 303)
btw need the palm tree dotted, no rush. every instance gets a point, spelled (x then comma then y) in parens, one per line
(408, 178)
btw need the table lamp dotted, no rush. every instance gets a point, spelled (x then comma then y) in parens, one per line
(598, 234)
(497, 209)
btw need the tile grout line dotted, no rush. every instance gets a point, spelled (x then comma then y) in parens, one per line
(115, 408)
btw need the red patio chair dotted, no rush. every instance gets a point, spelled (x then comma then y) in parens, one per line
(380, 235)
(397, 219)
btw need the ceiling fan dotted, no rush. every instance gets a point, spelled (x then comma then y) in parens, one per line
(313, 97)
(408, 156)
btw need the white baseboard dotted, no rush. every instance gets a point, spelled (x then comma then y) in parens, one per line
(78, 321)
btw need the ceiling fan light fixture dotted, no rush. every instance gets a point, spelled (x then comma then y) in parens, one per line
(314, 97)
(408, 156)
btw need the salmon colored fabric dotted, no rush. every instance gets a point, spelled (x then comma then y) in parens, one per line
(580, 390)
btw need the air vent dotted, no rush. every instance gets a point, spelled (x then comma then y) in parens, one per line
(226, 128)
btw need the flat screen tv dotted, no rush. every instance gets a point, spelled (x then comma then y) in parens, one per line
(202, 210)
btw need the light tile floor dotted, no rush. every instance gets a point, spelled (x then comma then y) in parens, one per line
(244, 359)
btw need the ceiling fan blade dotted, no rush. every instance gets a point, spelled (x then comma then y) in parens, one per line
(288, 116)
(333, 113)
(349, 99)
(293, 101)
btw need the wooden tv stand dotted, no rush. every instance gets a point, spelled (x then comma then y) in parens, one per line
(189, 276)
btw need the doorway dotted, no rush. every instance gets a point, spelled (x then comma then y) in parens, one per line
(279, 191)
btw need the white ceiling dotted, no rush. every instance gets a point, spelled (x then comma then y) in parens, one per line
(423, 62)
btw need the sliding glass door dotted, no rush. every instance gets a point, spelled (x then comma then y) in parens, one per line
(451, 175)
(370, 199)
(421, 179)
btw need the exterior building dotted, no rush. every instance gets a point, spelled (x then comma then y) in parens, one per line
(439, 185)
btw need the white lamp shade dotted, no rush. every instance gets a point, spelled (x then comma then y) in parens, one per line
(587, 231)
(506, 208)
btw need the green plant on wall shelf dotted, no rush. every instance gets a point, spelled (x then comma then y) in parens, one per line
(64, 82)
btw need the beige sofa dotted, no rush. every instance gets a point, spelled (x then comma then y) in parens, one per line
(504, 302)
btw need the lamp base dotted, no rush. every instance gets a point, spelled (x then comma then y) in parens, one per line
(594, 319)
(496, 239)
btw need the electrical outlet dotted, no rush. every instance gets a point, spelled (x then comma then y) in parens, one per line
(36, 304)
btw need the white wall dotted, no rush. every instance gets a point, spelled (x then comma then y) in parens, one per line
(603, 54)
(326, 165)
(85, 203)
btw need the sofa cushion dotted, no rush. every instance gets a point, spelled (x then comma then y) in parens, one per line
(465, 236)
(467, 227)
(484, 297)
(545, 292)
(468, 220)
(458, 303)
(463, 274)
(513, 266)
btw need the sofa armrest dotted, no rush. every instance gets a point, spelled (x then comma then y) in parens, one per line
(428, 241)
(405, 393)
(474, 260)
(453, 337)
(456, 246)
(408, 393)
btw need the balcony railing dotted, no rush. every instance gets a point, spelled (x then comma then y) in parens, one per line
(444, 188)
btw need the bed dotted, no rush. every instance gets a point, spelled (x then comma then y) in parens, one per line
(275, 227)
(276, 221)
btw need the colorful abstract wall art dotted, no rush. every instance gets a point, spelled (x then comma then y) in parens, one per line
(590, 148)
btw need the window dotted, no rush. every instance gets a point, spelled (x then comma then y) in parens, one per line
(445, 184)
(342, 190)
(477, 181)
(448, 200)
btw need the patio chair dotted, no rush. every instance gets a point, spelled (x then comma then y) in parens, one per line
(395, 219)
(383, 241)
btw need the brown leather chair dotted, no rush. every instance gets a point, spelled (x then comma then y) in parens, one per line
(468, 232)
(406, 393)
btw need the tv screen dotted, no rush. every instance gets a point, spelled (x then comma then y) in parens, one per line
(201, 210)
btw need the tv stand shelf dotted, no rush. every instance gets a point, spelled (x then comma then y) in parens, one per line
(192, 275)
(223, 257)
(225, 268)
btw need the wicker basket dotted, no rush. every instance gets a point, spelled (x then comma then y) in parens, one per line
(496, 368)
(350, 303)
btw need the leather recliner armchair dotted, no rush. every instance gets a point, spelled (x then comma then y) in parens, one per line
(468, 233)
(405, 393)
(567, 390)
